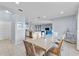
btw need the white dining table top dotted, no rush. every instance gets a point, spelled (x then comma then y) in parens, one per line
(45, 43)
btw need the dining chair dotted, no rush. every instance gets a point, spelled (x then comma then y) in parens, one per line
(56, 51)
(29, 48)
(40, 51)
(60, 39)
(33, 50)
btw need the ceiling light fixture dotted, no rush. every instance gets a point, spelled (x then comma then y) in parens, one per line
(7, 11)
(62, 12)
(17, 3)
(44, 16)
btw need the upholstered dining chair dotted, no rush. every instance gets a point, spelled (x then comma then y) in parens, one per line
(33, 50)
(56, 51)
(60, 40)
(29, 48)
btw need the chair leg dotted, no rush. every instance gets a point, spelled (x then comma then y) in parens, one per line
(27, 53)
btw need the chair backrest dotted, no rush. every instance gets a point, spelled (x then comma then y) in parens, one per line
(55, 34)
(57, 50)
(29, 48)
(60, 43)
(63, 37)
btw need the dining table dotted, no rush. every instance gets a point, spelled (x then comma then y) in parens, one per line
(44, 42)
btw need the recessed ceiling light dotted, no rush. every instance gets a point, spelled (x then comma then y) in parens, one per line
(7, 11)
(17, 3)
(62, 12)
(44, 16)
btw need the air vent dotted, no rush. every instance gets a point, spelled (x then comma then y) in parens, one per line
(20, 10)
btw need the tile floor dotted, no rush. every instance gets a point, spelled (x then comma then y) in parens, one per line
(7, 48)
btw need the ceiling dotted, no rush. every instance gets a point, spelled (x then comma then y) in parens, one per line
(50, 10)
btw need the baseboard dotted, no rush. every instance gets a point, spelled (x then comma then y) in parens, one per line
(70, 42)
(4, 39)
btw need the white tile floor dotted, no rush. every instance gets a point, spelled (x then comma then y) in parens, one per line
(69, 49)
(7, 48)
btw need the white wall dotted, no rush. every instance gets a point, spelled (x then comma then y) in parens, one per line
(5, 30)
(60, 25)
(5, 25)
(78, 30)
(9, 29)
(19, 25)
